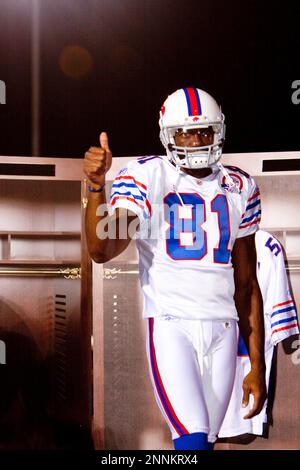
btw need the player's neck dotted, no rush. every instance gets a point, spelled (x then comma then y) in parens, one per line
(200, 173)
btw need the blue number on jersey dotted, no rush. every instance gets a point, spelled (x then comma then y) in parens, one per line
(186, 239)
(273, 247)
(197, 246)
(220, 205)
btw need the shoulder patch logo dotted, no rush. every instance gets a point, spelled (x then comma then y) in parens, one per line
(237, 181)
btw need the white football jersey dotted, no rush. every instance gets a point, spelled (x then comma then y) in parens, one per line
(280, 322)
(187, 230)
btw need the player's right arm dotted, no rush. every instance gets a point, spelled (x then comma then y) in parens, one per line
(97, 162)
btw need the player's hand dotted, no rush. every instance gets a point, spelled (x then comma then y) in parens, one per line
(254, 384)
(97, 161)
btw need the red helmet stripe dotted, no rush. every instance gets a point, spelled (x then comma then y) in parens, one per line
(193, 101)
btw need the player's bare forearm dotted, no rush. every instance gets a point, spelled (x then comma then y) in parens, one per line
(103, 246)
(249, 306)
(96, 247)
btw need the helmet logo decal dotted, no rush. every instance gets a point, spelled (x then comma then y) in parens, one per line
(195, 119)
(193, 101)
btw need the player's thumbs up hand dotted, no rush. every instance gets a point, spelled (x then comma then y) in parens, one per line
(103, 139)
(97, 161)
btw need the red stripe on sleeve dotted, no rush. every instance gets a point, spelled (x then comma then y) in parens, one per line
(131, 178)
(254, 196)
(294, 325)
(283, 303)
(126, 197)
(251, 223)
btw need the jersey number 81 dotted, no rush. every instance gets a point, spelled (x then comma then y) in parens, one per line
(185, 238)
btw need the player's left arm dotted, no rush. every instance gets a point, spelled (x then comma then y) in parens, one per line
(249, 306)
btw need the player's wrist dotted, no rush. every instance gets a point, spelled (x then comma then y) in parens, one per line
(96, 187)
(258, 365)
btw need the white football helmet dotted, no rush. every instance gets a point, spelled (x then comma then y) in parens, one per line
(191, 108)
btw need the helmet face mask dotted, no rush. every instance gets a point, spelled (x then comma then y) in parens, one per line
(190, 109)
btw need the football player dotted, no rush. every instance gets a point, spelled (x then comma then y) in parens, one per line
(194, 222)
(280, 323)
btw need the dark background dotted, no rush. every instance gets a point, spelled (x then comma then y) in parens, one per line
(136, 52)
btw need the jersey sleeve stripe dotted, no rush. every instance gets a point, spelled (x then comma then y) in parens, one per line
(294, 325)
(128, 198)
(128, 185)
(251, 223)
(253, 204)
(116, 198)
(254, 196)
(134, 194)
(181, 430)
(284, 320)
(128, 193)
(283, 310)
(132, 178)
(283, 303)
(253, 216)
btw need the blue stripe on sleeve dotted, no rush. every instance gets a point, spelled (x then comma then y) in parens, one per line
(247, 219)
(129, 185)
(283, 310)
(253, 204)
(284, 320)
(128, 193)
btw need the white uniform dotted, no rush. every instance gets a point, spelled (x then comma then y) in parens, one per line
(188, 228)
(280, 322)
(185, 269)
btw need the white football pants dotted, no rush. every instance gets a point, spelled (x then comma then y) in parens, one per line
(192, 367)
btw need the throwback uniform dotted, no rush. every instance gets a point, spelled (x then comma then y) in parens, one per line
(280, 320)
(187, 230)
